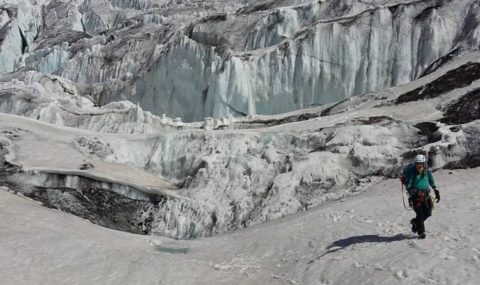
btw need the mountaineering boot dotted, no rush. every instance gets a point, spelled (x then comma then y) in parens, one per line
(422, 236)
(414, 225)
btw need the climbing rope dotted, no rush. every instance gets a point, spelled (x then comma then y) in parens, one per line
(403, 198)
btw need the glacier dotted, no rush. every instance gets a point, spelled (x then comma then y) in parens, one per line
(190, 119)
(222, 141)
(219, 59)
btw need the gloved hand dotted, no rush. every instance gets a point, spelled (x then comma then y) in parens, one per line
(412, 191)
(437, 195)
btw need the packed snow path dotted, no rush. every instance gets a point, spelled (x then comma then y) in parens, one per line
(364, 239)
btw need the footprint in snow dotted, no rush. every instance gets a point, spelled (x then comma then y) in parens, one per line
(402, 274)
(413, 244)
(324, 282)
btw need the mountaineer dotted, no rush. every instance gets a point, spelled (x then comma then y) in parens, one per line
(417, 179)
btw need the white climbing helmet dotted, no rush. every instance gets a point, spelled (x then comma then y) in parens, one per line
(420, 158)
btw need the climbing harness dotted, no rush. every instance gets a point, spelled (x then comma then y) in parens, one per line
(420, 199)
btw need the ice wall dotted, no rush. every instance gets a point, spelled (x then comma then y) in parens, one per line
(281, 58)
(46, 60)
(11, 40)
(325, 61)
(55, 100)
(193, 59)
(20, 22)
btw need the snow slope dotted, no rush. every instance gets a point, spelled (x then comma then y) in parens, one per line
(363, 239)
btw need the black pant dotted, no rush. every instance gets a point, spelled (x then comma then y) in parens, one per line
(422, 209)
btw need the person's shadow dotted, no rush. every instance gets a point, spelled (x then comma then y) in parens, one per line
(344, 243)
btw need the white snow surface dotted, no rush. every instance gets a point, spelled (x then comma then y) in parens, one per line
(361, 240)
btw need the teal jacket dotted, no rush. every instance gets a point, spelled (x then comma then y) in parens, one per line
(414, 180)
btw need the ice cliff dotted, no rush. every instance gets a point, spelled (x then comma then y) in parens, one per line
(193, 59)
